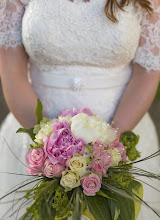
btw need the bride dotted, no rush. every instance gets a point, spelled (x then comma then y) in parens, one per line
(104, 55)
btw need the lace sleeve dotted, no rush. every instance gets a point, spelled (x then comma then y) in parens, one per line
(148, 51)
(11, 12)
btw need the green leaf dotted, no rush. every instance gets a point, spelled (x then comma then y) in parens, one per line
(27, 131)
(44, 211)
(39, 110)
(27, 216)
(113, 204)
(136, 188)
(87, 214)
(127, 208)
(99, 208)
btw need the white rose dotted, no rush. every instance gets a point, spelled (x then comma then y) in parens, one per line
(91, 129)
(45, 131)
(116, 156)
(70, 180)
(77, 164)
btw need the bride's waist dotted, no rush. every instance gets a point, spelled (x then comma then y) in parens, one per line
(80, 77)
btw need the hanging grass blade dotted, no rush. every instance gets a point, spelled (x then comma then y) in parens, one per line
(19, 188)
(147, 184)
(134, 196)
(3, 139)
(77, 208)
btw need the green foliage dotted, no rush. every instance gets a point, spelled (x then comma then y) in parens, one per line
(122, 177)
(61, 203)
(42, 210)
(38, 127)
(32, 131)
(129, 204)
(77, 211)
(98, 207)
(34, 146)
(39, 110)
(112, 203)
(137, 189)
(42, 195)
(130, 140)
(27, 216)
(127, 208)
(27, 131)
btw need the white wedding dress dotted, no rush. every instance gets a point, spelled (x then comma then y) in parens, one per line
(78, 57)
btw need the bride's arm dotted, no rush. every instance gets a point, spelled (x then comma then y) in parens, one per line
(136, 99)
(18, 93)
(142, 87)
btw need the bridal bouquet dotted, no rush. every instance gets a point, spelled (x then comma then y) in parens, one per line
(82, 167)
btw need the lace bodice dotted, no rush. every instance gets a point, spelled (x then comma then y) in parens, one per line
(54, 32)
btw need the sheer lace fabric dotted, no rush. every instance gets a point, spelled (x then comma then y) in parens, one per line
(148, 52)
(11, 12)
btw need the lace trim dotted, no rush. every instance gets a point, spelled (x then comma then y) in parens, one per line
(148, 52)
(147, 60)
(11, 13)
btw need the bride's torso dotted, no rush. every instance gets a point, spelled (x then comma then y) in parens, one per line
(78, 56)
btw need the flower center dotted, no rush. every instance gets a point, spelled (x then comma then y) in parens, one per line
(36, 156)
(91, 185)
(50, 168)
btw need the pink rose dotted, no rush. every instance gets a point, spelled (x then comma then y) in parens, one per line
(102, 163)
(116, 141)
(62, 145)
(122, 150)
(106, 159)
(72, 112)
(52, 170)
(35, 159)
(97, 166)
(91, 184)
(98, 148)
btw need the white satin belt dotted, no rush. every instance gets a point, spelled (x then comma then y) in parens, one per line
(81, 77)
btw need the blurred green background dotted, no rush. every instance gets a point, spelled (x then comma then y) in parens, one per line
(154, 110)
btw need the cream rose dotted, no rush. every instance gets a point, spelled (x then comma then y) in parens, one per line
(91, 129)
(70, 180)
(45, 131)
(67, 118)
(116, 156)
(77, 164)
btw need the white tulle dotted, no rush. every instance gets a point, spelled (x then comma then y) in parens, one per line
(78, 57)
